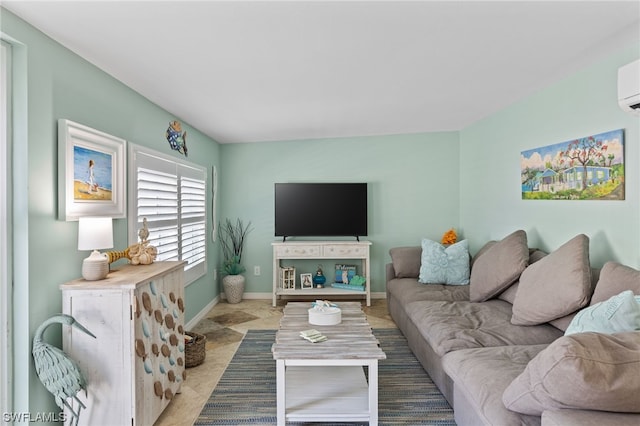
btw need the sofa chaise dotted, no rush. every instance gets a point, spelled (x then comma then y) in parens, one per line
(495, 344)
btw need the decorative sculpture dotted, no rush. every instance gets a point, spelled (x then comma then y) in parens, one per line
(57, 372)
(449, 237)
(141, 253)
(319, 279)
(176, 137)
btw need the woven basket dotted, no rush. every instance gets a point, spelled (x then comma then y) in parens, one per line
(195, 351)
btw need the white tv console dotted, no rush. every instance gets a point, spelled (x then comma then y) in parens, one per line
(358, 250)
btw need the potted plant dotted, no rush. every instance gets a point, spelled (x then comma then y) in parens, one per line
(232, 239)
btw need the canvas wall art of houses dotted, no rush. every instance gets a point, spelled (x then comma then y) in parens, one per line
(588, 168)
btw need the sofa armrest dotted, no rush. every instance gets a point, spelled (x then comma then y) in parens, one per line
(390, 272)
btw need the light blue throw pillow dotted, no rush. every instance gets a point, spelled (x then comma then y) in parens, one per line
(444, 265)
(617, 314)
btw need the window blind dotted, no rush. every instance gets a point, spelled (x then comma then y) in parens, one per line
(171, 195)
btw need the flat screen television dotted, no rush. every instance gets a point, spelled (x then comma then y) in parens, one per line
(320, 210)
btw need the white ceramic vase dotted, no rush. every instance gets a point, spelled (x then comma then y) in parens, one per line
(233, 287)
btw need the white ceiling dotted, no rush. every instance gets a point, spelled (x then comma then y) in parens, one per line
(261, 71)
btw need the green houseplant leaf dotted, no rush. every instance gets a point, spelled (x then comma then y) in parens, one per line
(232, 240)
(233, 267)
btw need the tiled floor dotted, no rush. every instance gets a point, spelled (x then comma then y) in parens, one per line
(224, 327)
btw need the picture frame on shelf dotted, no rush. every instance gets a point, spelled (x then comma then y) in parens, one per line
(344, 273)
(306, 281)
(91, 172)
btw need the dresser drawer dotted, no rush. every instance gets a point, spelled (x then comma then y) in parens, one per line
(345, 251)
(290, 251)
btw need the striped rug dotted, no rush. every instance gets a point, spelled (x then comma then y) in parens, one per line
(246, 392)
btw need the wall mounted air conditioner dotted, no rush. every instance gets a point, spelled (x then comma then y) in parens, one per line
(629, 87)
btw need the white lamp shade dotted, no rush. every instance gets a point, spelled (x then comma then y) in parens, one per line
(95, 233)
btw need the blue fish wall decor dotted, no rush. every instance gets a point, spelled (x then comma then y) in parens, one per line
(177, 138)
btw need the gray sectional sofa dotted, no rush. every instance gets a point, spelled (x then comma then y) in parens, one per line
(496, 347)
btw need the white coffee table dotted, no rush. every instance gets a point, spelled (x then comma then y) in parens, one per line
(326, 382)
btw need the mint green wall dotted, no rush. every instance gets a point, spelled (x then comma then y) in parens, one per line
(413, 190)
(63, 85)
(580, 105)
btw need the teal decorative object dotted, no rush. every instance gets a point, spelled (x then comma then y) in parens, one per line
(358, 280)
(57, 372)
(319, 279)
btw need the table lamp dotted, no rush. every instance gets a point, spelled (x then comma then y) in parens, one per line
(95, 233)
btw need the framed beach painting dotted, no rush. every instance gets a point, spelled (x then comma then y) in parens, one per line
(91, 172)
(587, 168)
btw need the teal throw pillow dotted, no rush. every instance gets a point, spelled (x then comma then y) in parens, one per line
(444, 265)
(617, 314)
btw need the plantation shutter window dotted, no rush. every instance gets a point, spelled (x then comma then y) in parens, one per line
(171, 196)
(192, 216)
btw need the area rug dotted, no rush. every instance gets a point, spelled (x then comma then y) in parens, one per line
(246, 392)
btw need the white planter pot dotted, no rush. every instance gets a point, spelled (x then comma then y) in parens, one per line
(233, 287)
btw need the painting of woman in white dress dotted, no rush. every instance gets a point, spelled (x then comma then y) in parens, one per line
(92, 174)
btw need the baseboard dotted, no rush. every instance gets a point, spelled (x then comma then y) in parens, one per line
(254, 296)
(202, 314)
(267, 296)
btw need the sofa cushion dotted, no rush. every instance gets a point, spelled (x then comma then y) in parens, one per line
(444, 265)
(615, 278)
(556, 285)
(406, 261)
(482, 251)
(450, 326)
(481, 376)
(499, 266)
(563, 322)
(619, 313)
(509, 294)
(406, 290)
(585, 370)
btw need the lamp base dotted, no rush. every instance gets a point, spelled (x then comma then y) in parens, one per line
(95, 267)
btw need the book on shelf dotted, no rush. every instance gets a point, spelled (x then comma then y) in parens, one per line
(348, 286)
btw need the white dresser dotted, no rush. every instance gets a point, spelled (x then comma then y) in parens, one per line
(136, 363)
(338, 250)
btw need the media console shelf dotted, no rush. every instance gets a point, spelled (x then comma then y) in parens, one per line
(356, 250)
